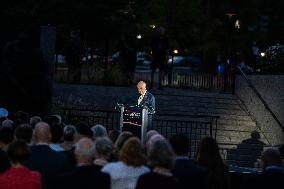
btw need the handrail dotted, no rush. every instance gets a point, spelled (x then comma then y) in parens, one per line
(261, 99)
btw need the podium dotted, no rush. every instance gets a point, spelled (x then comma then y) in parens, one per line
(134, 119)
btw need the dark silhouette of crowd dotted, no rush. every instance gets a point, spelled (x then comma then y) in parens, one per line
(44, 152)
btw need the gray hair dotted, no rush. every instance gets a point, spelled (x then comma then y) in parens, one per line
(8, 123)
(69, 132)
(34, 120)
(160, 154)
(103, 147)
(85, 147)
(99, 131)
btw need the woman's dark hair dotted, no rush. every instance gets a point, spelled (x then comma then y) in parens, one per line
(18, 152)
(24, 132)
(208, 153)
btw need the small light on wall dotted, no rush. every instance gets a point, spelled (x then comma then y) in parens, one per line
(139, 36)
(237, 24)
(262, 54)
(175, 51)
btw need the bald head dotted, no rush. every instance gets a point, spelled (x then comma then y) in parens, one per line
(141, 87)
(42, 133)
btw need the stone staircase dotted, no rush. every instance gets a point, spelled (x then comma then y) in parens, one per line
(234, 124)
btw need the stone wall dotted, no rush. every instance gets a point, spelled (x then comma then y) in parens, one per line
(271, 88)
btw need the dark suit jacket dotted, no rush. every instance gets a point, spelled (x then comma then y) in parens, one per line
(149, 102)
(48, 162)
(4, 161)
(190, 174)
(83, 177)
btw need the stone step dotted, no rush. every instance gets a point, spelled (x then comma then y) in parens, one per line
(245, 128)
(198, 99)
(234, 137)
(236, 123)
(198, 109)
(191, 93)
(222, 116)
(173, 103)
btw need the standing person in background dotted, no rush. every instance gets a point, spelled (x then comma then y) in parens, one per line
(127, 55)
(73, 57)
(159, 47)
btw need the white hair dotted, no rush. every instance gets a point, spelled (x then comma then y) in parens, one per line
(85, 147)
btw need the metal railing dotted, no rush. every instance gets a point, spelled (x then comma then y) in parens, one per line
(189, 80)
(175, 78)
(194, 126)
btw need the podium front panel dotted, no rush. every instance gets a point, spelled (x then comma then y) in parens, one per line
(132, 120)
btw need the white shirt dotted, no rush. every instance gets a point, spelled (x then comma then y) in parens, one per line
(141, 97)
(124, 176)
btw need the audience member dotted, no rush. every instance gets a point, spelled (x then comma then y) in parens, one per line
(83, 130)
(56, 137)
(43, 159)
(67, 146)
(4, 161)
(125, 173)
(161, 159)
(113, 135)
(103, 151)
(84, 175)
(99, 131)
(18, 176)
(69, 135)
(272, 175)
(149, 134)
(3, 115)
(188, 172)
(208, 155)
(24, 132)
(20, 117)
(34, 120)
(6, 137)
(122, 138)
(8, 123)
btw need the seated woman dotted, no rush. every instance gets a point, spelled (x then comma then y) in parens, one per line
(125, 173)
(18, 176)
(103, 152)
(208, 156)
(161, 159)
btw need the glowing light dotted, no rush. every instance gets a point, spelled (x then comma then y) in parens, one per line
(175, 51)
(262, 54)
(237, 24)
(152, 26)
(139, 36)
